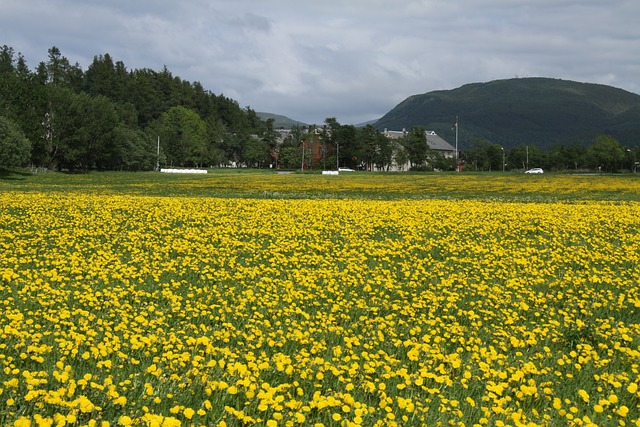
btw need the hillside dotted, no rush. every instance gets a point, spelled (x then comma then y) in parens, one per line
(539, 111)
(280, 121)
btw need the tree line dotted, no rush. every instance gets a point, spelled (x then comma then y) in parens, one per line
(108, 117)
(604, 154)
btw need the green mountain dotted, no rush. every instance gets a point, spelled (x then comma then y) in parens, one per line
(280, 121)
(538, 111)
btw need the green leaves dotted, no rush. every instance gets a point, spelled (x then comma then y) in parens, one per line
(15, 148)
(183, 137)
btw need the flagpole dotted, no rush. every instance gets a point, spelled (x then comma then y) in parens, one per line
(457, 163)
(456, 137)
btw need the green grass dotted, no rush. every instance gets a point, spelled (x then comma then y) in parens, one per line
(248, 183)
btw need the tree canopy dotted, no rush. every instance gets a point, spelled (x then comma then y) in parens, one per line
(108, 117)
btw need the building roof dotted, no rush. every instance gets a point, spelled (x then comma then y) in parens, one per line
(434, 141)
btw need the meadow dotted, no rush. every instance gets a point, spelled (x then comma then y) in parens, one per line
(241, 299)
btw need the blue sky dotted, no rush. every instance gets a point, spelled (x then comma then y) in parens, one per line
(354, 60)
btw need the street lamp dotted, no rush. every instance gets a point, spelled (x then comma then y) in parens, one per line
(503, 159)
(635, 162)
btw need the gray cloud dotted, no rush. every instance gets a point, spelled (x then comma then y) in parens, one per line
(350, 60)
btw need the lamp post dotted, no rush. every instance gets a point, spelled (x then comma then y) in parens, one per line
(503, 158)
(634, 166)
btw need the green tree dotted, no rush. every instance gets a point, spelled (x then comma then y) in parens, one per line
(100, 118)
(441, 162)
(383, 152)
(563, 157)
(144, 96)
(215, 137)
(79, 129)
(256, 153)
(605, 154)
(270, 139)
(331, 135)
(374, 148)
(290, 151)
(183, 137)
(289, 157)
(349, 150)
(367, 144)
(62, 122)
(131, 150)
(15, 148)
(400, 156)
(60, 72)
(485, 156)
(100, 77)
(6, 60)
(417, 148)
(22, 99)
(526, 157)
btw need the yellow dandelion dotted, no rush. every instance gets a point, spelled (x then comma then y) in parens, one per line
(125, 421)
(188, 413)
(22, 422)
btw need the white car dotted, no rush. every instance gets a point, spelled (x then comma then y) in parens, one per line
(535, 170)
(345, 170)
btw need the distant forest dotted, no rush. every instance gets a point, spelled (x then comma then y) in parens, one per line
(61, 117)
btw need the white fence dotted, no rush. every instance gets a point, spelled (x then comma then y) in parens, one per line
(183, 170)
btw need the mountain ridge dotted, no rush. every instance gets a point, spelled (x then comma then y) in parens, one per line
(533, 110)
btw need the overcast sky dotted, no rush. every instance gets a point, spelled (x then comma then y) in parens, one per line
(350, 59)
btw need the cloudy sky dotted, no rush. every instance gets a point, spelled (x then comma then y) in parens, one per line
(350, 59)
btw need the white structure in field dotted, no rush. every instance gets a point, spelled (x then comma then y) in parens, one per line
(183, 170)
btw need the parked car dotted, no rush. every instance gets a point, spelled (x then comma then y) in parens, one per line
(535, 170)
(345, 170)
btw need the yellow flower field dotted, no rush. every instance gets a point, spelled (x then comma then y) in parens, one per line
(120, 310)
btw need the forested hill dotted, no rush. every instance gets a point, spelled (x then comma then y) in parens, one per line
(59, 115)
(538, 111)
(280, 121)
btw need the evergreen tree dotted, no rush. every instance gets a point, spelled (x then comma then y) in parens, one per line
(61, 73)
(349, 150)
(100, 77)
(6, 60)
